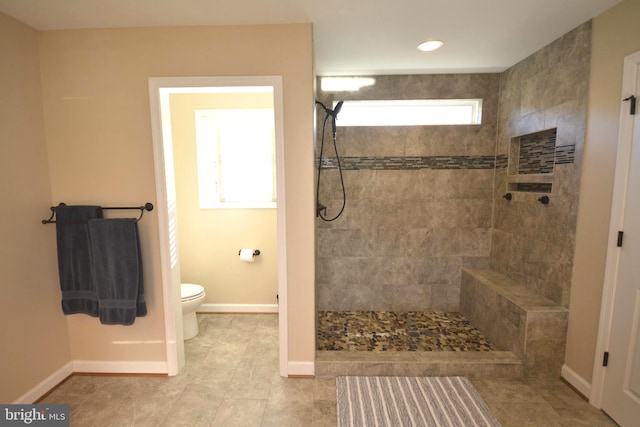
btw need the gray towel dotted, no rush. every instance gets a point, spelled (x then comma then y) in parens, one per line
(74, 259)
(117, 270)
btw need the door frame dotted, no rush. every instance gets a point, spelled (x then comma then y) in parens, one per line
(159, 90)
(625, 140)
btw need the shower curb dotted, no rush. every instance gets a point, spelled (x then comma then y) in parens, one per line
(489, 364)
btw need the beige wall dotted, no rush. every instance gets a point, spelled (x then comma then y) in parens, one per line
(96, 106)
(209, 239)
(616, 34)
(33, 332)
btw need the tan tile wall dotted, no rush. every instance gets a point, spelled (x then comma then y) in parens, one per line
(406, 234)
(516, 319)
(531, 242)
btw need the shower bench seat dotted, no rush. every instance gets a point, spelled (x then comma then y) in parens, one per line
(516, 319)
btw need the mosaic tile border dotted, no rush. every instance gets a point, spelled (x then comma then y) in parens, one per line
(532, 187)
(537, 154)
(563, 155)
(411, 163)
(502, 161)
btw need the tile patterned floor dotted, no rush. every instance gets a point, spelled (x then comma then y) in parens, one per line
(231, 379)
(398, 331)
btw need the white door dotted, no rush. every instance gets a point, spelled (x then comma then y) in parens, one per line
(621, 390)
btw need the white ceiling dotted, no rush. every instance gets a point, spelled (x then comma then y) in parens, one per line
(351, 37)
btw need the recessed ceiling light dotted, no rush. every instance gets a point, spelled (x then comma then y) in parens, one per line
(430, 45)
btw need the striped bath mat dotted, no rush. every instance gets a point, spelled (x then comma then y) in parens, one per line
(410, 401)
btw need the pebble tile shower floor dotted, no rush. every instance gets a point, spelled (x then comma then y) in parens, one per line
(398, 331)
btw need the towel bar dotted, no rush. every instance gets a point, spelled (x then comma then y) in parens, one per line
(147, 207)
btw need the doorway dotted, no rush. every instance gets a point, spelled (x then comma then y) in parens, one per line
(160, 89)
(617, 370)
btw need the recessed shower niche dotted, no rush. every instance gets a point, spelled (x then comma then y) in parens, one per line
(531, 161)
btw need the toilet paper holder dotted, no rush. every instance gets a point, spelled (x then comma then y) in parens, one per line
(255, 252)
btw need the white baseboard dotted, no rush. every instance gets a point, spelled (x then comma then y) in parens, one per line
(85, 366)
(576, 381)
(238, 308)
(102, 367)
(45, 385)
(301, 369)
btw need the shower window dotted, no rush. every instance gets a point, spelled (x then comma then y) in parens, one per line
(236, 158)
(413, 112)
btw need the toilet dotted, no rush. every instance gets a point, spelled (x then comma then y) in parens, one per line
(192, 297)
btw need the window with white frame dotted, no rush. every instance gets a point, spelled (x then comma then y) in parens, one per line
(411, 112)
(236, 158)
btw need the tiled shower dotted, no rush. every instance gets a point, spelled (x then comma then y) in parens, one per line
(419, 202)
(425, 202)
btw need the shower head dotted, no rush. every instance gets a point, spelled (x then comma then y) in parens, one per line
(336, 109)
(334, 116)
(333, 113)
(330, 112)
